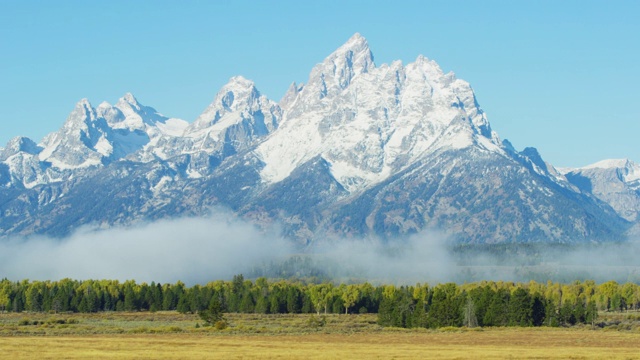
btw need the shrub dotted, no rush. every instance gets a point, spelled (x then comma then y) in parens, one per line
(449, 329)
(315, 323)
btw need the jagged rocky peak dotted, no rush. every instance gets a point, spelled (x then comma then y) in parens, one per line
(237, 94)
(129, 105)
(369, 122)
(136, 115)
(241, 97)
(338, 70)
(611, 164)
(82, 113)
(291, 95)
(17, 145)
(614, 181)
(23, 144)
(625, 170)
(110, 113)
(533, 154)
(129, 99)
(354, 54)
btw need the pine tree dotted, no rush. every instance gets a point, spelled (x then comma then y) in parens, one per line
(496, 314)
(520, 308)
(213, 314)
(446, 306)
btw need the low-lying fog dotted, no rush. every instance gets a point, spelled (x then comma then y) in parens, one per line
(198, 250)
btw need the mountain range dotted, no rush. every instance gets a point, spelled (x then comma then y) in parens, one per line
(359, 150)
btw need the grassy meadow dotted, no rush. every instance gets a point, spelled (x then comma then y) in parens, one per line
(173, 335)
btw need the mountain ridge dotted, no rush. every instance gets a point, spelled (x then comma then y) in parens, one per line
(359, 150)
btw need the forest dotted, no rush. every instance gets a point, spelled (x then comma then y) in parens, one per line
(485, 303)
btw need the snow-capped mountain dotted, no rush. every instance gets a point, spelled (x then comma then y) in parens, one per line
(359, 150)
(616, 182)
(237, 118)
(98, 136)
(90, 137)
(370, 122)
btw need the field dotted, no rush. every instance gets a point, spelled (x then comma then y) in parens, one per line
(177, 336)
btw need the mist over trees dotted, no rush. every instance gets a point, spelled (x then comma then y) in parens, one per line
(485, 303)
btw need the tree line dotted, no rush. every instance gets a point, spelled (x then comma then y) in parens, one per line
(485, 303)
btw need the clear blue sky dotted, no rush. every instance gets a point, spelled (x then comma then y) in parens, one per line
(562, 76)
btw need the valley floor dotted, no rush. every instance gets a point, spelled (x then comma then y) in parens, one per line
(175, 336)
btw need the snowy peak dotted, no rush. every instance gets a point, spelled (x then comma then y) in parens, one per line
(338, 70)
(614, 181)
(81, 115)
(94, 137)
(354, 57)
(610, 164)
(136, 115)
(291, 95)
(74, 146)
(19, 145)
(625, 169)
(237, 118)
(128, 98)
(370, 122)
(238, 100)
(237, 94)
(22, 144)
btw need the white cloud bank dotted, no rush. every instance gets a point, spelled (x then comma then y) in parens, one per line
(192, 250)
(199, 250)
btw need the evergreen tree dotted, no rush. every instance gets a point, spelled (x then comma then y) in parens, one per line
(446, 306)
(213, 313)
(385, 312)
(538, 311)
(496, 314)
(130, 301)
(520, 308)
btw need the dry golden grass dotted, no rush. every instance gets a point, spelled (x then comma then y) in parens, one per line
(289, 337)
(495, 343)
